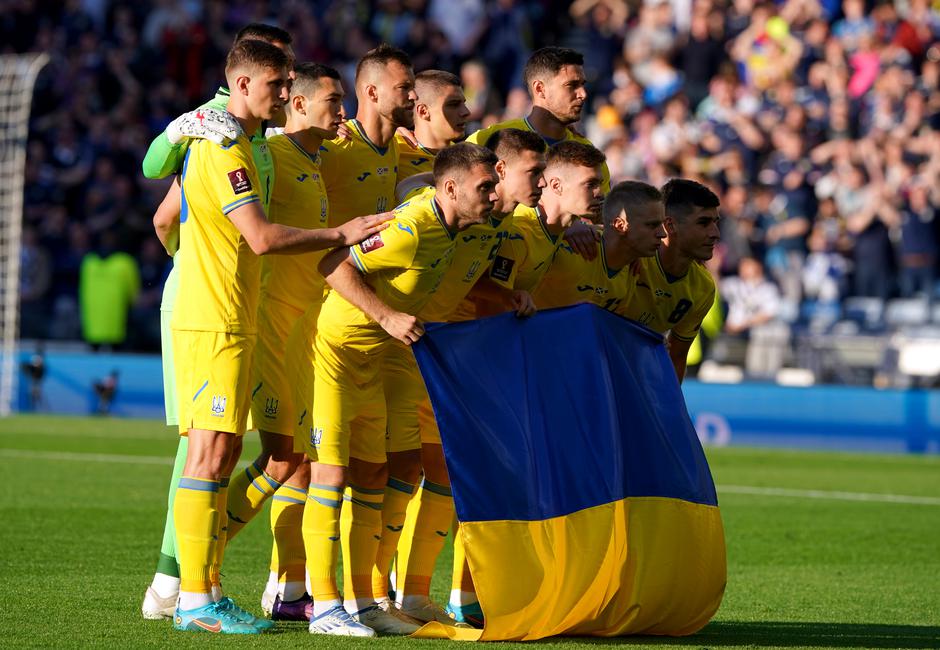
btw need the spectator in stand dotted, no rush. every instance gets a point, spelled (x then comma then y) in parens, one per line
(753, 310)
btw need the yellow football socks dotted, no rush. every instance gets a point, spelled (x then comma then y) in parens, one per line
(461, 580)
(247, 494)
(321, 543)
(288, 558)
(221, 535)
(196, 517)
(398, 494)
(427, 523)
(360, 532)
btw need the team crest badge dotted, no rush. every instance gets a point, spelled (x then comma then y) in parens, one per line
(316, 435)
(218, 405)
(270, 407)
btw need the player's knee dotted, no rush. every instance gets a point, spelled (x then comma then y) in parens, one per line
(330, 475)
(209, 454)
(281, 467)
(301, 476)
(435, 469)
(368, 475)
(405, 465)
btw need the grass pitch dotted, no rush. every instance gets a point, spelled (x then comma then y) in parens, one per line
(818, 555)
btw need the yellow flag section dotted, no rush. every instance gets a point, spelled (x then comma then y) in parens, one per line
(585, 499)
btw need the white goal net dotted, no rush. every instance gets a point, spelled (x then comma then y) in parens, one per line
(17, 77)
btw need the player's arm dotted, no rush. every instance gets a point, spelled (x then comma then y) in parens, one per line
(678, 353)
(412, 183)
(166, 220)
(347, 280)
(685, 330)
(496, 296)
(266, 238)
(583, 238)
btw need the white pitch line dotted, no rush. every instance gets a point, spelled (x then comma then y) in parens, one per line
(722, 489)
(825, 494)
(86, 458)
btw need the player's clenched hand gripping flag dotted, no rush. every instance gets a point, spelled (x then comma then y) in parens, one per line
(585, 500)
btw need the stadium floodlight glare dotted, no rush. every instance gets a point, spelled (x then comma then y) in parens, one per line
(17, 77)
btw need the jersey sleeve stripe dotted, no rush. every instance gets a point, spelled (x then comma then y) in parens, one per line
(673, 335)
(240, 202)
(355, 258)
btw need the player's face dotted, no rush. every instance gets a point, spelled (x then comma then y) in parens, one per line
(449, 114)
(396, 92)
(476, 195)
(325, 108)
(523, 180)
(582, 195)
(646, 230)
(564, 94)
(698, 233)
(268, 92)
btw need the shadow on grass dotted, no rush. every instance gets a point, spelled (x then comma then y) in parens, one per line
(790, 634)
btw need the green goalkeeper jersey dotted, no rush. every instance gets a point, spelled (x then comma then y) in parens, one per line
(164, 158)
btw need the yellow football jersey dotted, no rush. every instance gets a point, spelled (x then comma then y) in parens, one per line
(412, 160)
(571, 279)
(299, 199)
(403, 263)
(474, 252)
(480, 137)
(664, 303)
(360, 176)
(219, 273)
(527, 251)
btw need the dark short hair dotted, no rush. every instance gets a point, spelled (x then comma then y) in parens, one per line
(255, 53)
(571, 152)
(262, 32)
(549, 61)
(460, 158)
(684, 197)
(307, 75)
(506, 143)
(626, 197)
(382, 56)
(435, 81)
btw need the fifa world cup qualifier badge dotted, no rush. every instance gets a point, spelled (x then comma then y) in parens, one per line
(372, 243)
(239, 180)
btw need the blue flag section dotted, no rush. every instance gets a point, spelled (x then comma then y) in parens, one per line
(585, 500)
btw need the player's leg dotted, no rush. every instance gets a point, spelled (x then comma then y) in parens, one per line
(272, 412)
(286, 595)
(464, 604)
(430, 516)
(161, 595)
(212, 373)
(403, 389)
(327, 443)
(288, 559)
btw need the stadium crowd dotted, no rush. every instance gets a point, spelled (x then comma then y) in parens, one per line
(816, 123)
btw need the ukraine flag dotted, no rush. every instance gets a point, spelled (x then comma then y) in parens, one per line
(585, 500)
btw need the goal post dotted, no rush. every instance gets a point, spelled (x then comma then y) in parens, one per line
(18, 74)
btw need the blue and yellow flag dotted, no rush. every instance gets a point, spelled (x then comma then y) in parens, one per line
(585, 500)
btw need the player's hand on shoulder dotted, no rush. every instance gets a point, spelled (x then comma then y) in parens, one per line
(404, 327)
(523, 303)
(583, 239)
(343, 132)
(354, 231)
(408, 135)
(211, 124)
